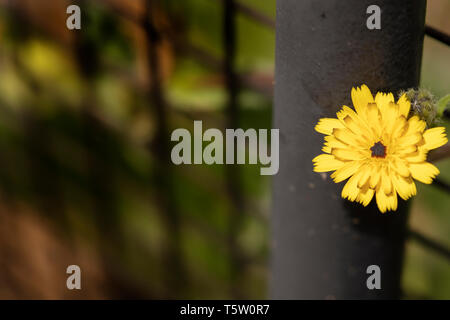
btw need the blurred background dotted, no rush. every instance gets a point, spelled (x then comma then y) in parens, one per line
(85, 171)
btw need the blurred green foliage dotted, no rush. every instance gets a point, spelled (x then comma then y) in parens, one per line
(76, 143)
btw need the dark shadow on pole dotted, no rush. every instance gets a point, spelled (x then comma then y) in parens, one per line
(322, 244)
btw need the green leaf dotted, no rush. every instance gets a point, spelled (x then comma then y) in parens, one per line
(442, 104)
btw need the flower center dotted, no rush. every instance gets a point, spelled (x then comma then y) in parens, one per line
(378, 150)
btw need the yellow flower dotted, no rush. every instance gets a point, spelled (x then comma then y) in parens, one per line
(378, 148)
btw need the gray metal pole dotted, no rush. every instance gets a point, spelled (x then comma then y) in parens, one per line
(322, 245)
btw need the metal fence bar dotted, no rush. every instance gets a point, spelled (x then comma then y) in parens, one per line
(431, 244)
(234, 187)
(175, 275)
(269, 22)
(444, 186)
(439, 154)
(255, 15)
(437, 34)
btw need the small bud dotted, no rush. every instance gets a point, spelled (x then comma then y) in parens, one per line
(423, 105)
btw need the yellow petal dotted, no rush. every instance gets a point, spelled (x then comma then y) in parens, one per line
(404, 105)
(386, 202)
(400, 126)
(419, 156)
(326, 148)
(326, 162)
(365, 196)
(401, 167)
(435, 137)
(392, 201)
(359, 128)
(415, 125)
(406, 149)
(374, 119)
(408, 140)
(386, 183)
(390, 117)
(347, 154)
(346, 171)
(352, 125)
(375, 177)
(361, 97)
(347, 137)
(346, 111)
(366, 173)
(333, 142)
(326, 125)
(351, 190)
(423, 172)
(405, 187)
(383, 99)
(381, 201)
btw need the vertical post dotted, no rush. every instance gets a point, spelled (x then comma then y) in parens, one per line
(322, 244)
(101, 179)
(232, 171)
(164, 176)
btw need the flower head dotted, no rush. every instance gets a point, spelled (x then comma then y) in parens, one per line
(378, 149)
